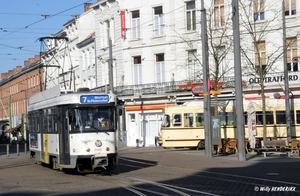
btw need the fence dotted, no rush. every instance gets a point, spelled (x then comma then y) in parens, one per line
(13, 149)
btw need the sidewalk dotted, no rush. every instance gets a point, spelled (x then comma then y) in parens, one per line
(250, 157)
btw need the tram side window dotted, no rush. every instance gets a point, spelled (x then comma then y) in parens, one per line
(199, 119)
(45, 128)
(188, 119)
(298, 116)
(281, 117)
(177, 119)
(31, 127)
(33, 122)
(245, 118)
(51, 119)
(226, 118)
(269, 117)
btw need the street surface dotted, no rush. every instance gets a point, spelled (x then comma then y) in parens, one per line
(157, 171)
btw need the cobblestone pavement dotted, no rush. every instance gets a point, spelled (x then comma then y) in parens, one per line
(158, 171)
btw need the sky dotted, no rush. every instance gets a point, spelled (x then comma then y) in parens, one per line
(23, 22)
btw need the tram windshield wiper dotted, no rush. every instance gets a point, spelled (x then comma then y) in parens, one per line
(100, 129)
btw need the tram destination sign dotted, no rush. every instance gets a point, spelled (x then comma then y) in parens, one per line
(94, 99)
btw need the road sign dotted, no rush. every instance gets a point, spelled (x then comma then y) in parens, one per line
(215, 92)
(217, 103)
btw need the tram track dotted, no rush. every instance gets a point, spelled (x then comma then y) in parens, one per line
(143, 185)
(167, 186)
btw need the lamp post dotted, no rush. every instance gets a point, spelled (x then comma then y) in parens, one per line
(238, 83)
(206, 102)
(286, 78)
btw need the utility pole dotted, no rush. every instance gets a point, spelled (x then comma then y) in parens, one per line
(206, 102)
(110, 68)
(238, 83)
(286, 78)
(10, 117)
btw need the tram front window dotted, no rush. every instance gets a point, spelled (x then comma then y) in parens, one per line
(91, 119)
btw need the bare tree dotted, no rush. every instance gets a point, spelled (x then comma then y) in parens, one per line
(258, 34)
(220, 44)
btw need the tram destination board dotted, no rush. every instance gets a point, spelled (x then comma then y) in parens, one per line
(94, 99)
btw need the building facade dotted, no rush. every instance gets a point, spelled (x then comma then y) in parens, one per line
(150, 54)
(16, 86)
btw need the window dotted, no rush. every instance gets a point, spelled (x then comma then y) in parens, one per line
(281, 117)
(221, 53)
(292, 62)
(226, 118)
(192, 64)
(188, 119)
(177, 120)
(166, 121)
(258, 10)
(89, 119)
(107, 34)
(160, 68)
(135, 24)
(137, 66)
(45, 120)
(199, 119)
(219, 15)
(290, 7)
(269, 118)
(298, 116)
(190, 15)
(260, 55)
(158, 21)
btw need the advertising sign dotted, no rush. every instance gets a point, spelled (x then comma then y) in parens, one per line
(123, 24)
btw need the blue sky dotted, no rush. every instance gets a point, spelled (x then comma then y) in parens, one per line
(23, 22)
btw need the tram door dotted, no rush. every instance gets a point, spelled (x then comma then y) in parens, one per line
(64, 146)
(41, 130)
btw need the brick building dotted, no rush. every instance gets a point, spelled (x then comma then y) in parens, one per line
(16, 86)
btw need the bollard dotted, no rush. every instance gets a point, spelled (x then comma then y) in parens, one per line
(25, 148)
(18, 149)
(7, 150)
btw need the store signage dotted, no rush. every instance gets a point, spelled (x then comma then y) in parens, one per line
(272, 79)
(123, 24)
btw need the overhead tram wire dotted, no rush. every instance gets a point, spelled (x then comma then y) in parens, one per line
(45, 18)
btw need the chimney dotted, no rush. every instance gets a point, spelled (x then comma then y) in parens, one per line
(4, 76)
(87, 7)
(26, 63)
(18, 68)
(37, 57)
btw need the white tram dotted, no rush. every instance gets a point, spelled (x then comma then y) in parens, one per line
(74, 130)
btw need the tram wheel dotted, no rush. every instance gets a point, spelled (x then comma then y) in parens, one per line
(111, 163)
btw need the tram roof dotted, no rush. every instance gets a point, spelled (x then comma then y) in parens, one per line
(55, 96)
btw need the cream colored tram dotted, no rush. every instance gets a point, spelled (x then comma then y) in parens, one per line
(183, 125)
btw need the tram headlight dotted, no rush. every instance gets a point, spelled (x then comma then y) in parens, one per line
(98, 143)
